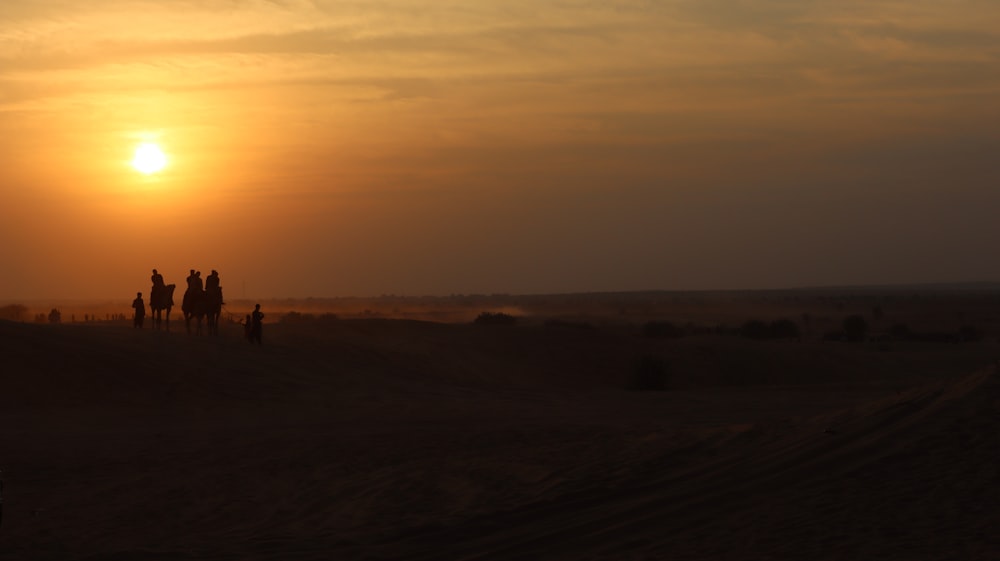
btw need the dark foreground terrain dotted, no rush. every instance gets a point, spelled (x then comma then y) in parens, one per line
(399, 439)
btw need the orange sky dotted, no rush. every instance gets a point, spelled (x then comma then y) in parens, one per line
(326, 148)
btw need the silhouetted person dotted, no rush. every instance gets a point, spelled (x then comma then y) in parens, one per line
(193, 294)
(157, 290)
(212, 281)
(248, 328)
(255, 324)
(213, 289)
(140, 310)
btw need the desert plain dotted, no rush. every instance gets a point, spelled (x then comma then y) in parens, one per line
(626, 426)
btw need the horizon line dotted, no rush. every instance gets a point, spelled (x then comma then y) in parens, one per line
(944, 285)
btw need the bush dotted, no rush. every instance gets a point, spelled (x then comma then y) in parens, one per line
(495, 318)
(650, 374)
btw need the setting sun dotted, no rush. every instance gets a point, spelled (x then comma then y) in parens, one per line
(149, 158)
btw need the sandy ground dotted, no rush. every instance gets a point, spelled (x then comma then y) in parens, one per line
(371, 439)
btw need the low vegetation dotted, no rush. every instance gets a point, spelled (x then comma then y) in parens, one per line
(495, 318)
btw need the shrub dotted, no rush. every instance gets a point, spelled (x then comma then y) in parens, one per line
(495, 318)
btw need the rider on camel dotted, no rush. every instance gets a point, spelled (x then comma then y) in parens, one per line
(212, 287)
(194, 290)
(158, 285)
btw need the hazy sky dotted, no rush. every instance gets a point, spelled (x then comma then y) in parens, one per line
(333, 148)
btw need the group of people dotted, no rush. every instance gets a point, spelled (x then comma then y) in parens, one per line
(211, 286)
(196, 286)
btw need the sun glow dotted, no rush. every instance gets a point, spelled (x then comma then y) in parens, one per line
(149, 158)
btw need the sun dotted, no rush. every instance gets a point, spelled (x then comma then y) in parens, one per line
(149, 158)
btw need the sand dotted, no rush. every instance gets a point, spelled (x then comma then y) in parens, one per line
(381, 439)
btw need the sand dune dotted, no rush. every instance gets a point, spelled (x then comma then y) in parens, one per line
(412, 440)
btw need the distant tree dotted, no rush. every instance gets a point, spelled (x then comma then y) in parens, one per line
(13, 312)
(855, 328)
(55, 316)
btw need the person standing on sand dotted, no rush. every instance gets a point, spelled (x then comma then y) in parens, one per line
(140, 310)
(255, 325)
(248, 328)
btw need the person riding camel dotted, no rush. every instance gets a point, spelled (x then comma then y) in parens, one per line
(213, 290)
(194, 290)
(158, 286)
(212, 282)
